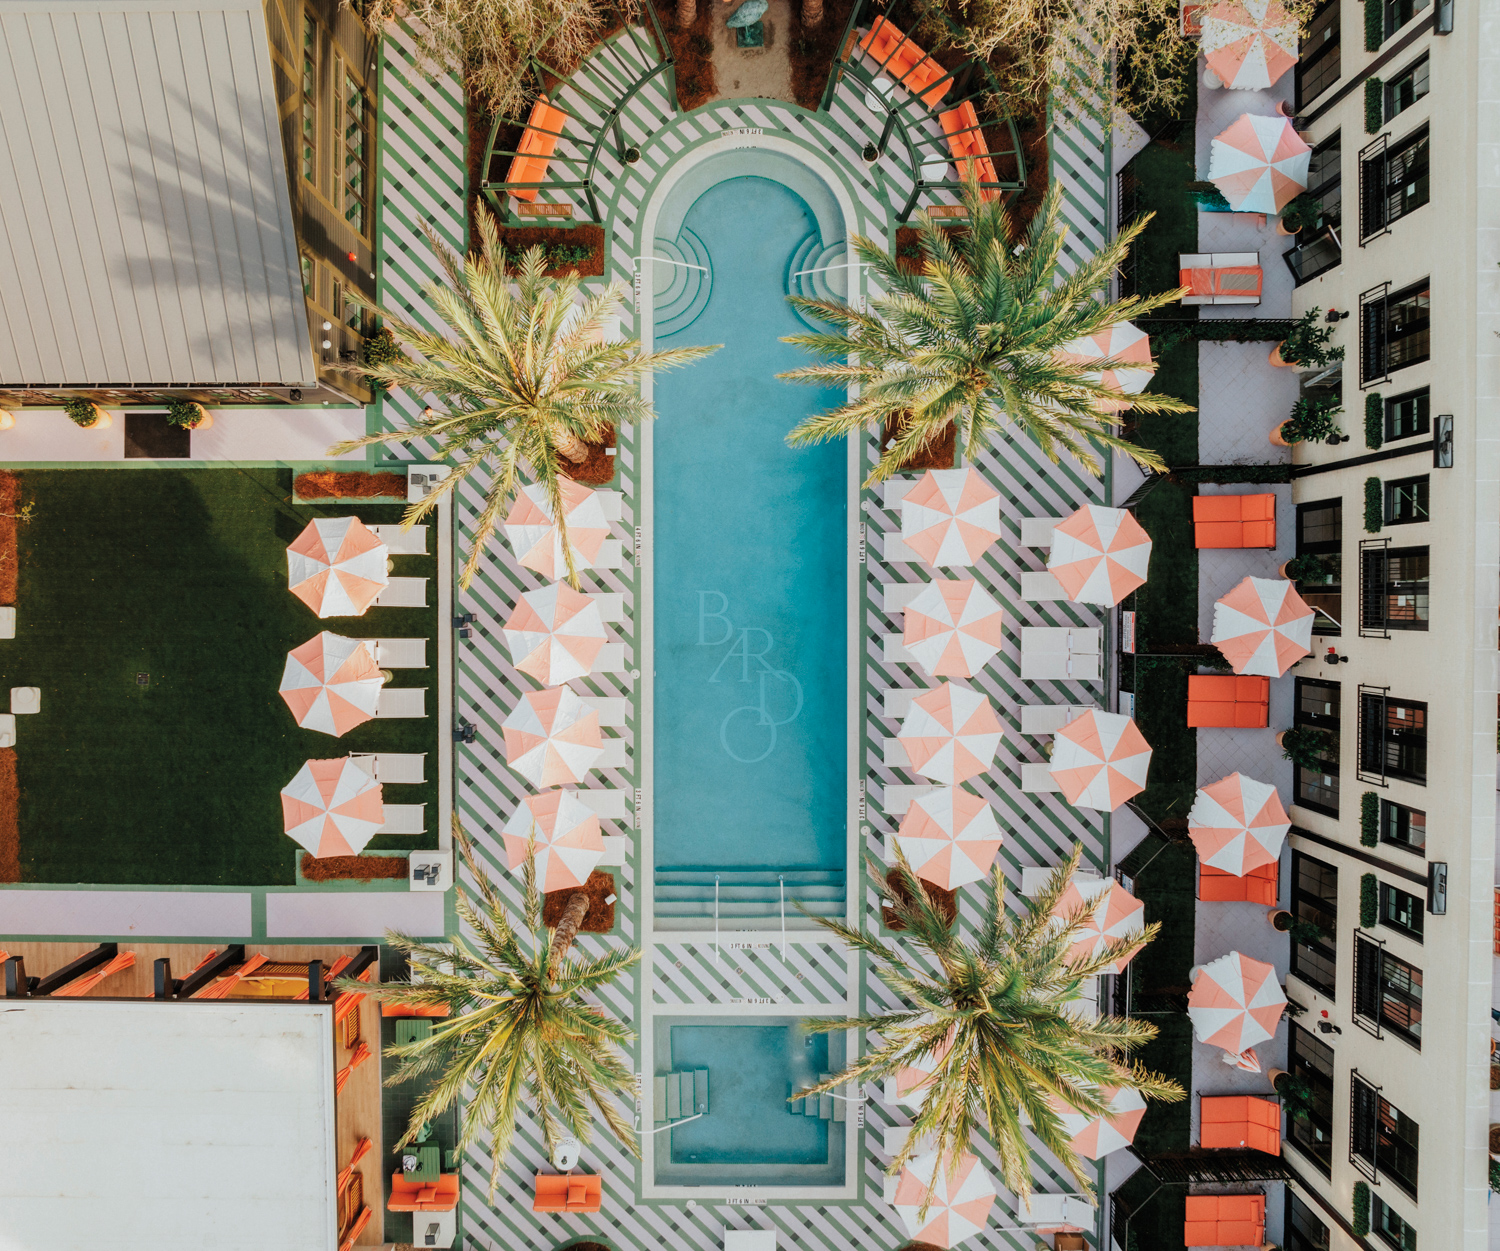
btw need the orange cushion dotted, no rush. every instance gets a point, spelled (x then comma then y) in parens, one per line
(1249, 688)
(1222, 1134)
(536, 146)
(1245, 280)
(1258, 534)
(1221, 1108)
(1202, 715)
(1240, 1234)
(1217, 507)
(1213, 686)
(1251, 717)
(1264, 1113)
(1203, 1207)
(1218, 534)
(1200, 1234)
(1257, 507)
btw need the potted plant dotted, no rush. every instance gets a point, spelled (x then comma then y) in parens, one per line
(1305, 746)
(1301, 212)
(189, 414)
(1306, 568)
(1283, 922)
(7, 419)
(1312, 420)
(86, 414)
(1306, 344)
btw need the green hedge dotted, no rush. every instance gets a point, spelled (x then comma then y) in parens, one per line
(1361, 1221)
(1374, 420)
(1167, 333)
(1369, 901)
(1374, 506)
(1369, 819)
(1374, 105)
(1374, 25)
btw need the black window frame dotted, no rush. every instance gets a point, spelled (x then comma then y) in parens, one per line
(1383, 1141)
(1407, 501)
(1318, 54)
(1310, 1129)
(1325, 598)
(1303, 1227)
(1392, 738)
(1318, 789)
(1396, 817)
(1397, 13)
(1419, 70)
(1418, 403)
(1319, 248)
(1394, 902)
(1405, 177)
(1395, 329)
(1314, 898)
(1393, 588)
(1381, 1216)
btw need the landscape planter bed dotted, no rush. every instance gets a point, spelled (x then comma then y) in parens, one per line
(326, 487)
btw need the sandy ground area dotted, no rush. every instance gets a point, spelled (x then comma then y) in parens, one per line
(746, 72)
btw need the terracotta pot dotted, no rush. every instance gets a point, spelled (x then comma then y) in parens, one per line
(1280, 739)
(102, 420)
(1282, 230)
(1273, 1074)
(1275, 357)
(1281, 569)
(1275, 436)
(204, 422)
(1273, 913)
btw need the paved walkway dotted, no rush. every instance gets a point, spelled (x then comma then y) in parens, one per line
(46, 436)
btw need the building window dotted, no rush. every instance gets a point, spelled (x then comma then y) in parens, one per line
(356, 143)
(1406, 501)
(1315, 899)
(1405, 185)
(1409, 86)
(1383, 1139)
(1392, 738)
(1393, 588)
(1318, 707)
(309, 99)
(1407, 416)
(1318, 57)
(1399, 12)
(1393, 1231)
(1320, 533)
(307, 277)
(1402, 912)
(1403, 827)
(1387, 991)
(1319, 249)
(1304, 1231)
(1395, 330)
(1311, 1129)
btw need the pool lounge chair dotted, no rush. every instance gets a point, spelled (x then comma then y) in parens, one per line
(539, 140)
(896, 702)
(1220, 277)
(611, 659)
(408, 767)
(403, 593)
(605, 801)
(893, 548)
(616, 851)
(893, 651)
(401, 653)
(897, 596)
(1037, 531)
(7, 729)
(1037, 779)
(1236, 1121)
(402, 542)
(1224, 1221)
(1060, 652)
(401, 701)
(612, 710)
(1034, 880)
(404, 819)
(896, 798)
(1057, 1212)
(615, 756)
(749, 1240)
(1042, 585)
(1041, 720)
(611, 605)
(893, 754)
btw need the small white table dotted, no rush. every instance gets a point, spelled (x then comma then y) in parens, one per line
(25, 699)
(934, 171)
(423, 1235)
(878, 95)
(749, 1240)
(7, 622)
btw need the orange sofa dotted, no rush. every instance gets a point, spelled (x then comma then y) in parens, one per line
(1240, 1121)
(1228, 702)
(1225, 1221)
(1257, 886)
(406, 1009)
(906, 62)
(415, 1196)
(568, 1192)
(1234, 521)
(537, 143)
(967, 146)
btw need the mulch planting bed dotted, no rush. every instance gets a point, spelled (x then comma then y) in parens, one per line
(946, 901)
(597, 470)
(938, 454)
(10, 501)
(324, 484)
(599, 919)
(10, 839)
(352, 868)
(693, 48)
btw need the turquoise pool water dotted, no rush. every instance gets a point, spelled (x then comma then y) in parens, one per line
(750, 1134)
(750, 574)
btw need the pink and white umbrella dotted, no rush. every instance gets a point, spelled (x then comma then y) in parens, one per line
(1126, 344)
(555, 634)
(951, 734)
(909, 1085)
(568, 842)
(552, 737)
(331, 683)
(1263, 627)
(1113, 913)
(1259, 163)
(950, 837)
(1099, 760)
(1235, 1002)
(336, 566)
(1094, 1137)
(332, 807)
(1099, 555)
(1249, 44)
(1247, 1061)
(953, 628)
(950, 517)
(534, 535)
(958, 1202)
(1238, 824)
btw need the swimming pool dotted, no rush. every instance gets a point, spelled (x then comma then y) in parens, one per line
(750, 684)
(750, 1134)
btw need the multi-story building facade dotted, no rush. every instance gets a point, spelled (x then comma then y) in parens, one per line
(1394, 835)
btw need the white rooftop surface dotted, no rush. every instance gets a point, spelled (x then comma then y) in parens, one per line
(194, 1125)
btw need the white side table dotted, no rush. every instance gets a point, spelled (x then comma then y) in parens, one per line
(749, 1240)
(424, 1235)
(7, 623)
(878, 95)
(934, 171)
(25, 699)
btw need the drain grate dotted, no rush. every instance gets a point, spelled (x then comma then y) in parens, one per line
(143, 679)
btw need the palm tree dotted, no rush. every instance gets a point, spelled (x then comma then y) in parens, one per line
(525, 376)
(520, 1027)
(1001, 996)
(972, 339)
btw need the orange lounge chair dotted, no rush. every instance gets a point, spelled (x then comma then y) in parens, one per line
(406, 1009)
(1234, 521)
(1225, 1221)
(1236, 1121)
(906, 62)
(537, 143)
(1258, 886)
(967, 145)
(415, 1196)
(568, 1192)
(1228, 702)
(1220, 277)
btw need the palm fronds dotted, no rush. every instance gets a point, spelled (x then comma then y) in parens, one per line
(523, 372)
(973, 340)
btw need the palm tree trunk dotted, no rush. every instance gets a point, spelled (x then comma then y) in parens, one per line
(570, 445)
(687, 13)
(812, 14)
(567, 928)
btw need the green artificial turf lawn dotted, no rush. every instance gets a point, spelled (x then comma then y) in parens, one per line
(1161, 714)
(182, 575)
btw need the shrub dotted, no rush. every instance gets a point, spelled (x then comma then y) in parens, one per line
(1369, 819)
(1374, 25)
(1305, 932)
(1374, 506)
(1312, 420)
(1495, 1174)
(80, 412)
(1369, 901)
(1216, 330)
(1295, 1094)
(1308, 568)
(182, 412)
(1232, 475)
(380, 349)
(1374, 420)
(1307, 342)
(1305, 746)
(1361, 1221)
(1374, 105)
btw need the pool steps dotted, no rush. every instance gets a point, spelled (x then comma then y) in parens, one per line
(823, 1106)
(680, 293)
(822, 284)
(748, 893)
(676, 1096)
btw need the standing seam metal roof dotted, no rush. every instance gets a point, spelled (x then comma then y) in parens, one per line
(146, 230)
